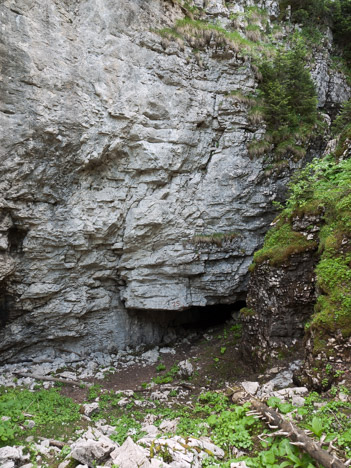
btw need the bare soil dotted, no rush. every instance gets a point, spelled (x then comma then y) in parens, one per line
(214, 354)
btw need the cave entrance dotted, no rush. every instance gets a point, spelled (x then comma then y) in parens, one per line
(199, 318)
(209, 316)
(16, 237)
(4, 307)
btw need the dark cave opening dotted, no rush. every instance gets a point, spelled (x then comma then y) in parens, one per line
(209, 316)
(16, 237)
(4, 307)
(197, 317)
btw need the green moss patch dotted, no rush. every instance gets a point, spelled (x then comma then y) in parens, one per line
(323, 188)
(217, 238)
(281, 242)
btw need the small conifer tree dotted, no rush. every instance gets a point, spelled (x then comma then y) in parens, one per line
(288, 90)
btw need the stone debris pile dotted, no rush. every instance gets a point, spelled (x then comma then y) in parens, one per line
(73, 367)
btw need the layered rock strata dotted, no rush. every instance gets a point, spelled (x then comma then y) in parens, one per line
(125, 178)
(280, 301)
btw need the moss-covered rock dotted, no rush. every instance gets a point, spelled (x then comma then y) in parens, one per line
(306, 259)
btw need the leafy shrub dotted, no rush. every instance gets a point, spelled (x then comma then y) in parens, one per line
(47, 408)
(232, 428)
(318, 13)
(344, 118)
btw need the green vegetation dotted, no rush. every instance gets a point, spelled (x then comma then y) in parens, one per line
(342, 126)
(126, 426)
(323, 189)
(246, 312)
(199, 34)
(281, 242)
(209, 414)
(160, 368)
(49, 410)
(167, 377)
(343, 121)
(289, 102)
(217, 238)
(288, 91)
(316, 14)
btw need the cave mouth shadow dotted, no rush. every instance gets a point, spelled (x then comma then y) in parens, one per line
(193, 318)
(16, 236)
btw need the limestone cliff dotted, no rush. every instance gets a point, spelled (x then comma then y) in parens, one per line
(122, 156)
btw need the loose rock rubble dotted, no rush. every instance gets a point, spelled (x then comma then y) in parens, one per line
(73, 367)
(156, 448)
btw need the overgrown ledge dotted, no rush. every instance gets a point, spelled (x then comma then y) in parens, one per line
(301, 278)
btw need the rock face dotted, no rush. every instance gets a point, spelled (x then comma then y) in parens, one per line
(281, 298)
(120, 159)
(280, 301)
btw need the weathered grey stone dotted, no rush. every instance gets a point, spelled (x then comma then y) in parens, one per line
(186, 369)
(298, 401)
(150, 356)
(282, 299)
(10, 453)
(8, 464)
(130, 455)
(116, 153)
(91, 452)
(91, 408)
(250, 387)
(169, 426)
(187, 453)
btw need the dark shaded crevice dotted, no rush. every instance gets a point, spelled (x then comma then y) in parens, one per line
(8, 311)
(4, 306)
(16, 237)
(193, 318)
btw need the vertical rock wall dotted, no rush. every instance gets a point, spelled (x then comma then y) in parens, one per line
(116, 155)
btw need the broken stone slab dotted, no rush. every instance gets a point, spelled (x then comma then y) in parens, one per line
(8, 464)
(123, 402)
(151, 356)
(64, 464)
(150, 430)
(185, 453)
(298, 401)
(205, 445)
(91, 452)
(290, 392)
(106, 429)
(157, 395)
(90, 408)
(127, 393)
(167, 350)
(11, 453)
(250, 387)
(131, 455)
(169, 426)
(186, 369)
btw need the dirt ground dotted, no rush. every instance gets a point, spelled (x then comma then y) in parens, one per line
(214, 354)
